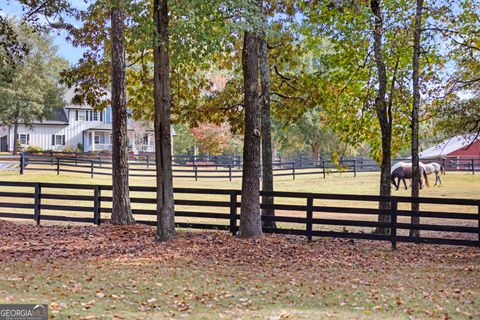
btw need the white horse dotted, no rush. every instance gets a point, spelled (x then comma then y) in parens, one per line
(436, 168)
(403, 171)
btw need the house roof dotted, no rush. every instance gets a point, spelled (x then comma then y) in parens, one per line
(68, 96)
(56, 116)
(448, 146)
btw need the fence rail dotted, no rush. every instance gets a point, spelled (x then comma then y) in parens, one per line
(225, 167)
(296, 213)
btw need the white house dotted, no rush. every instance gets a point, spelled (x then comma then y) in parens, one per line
(74, 126)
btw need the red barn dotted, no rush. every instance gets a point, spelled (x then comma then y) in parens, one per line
(456, 147)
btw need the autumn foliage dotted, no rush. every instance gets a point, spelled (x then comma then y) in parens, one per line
(212, 139)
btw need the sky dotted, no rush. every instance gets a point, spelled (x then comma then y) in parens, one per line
(65, 49)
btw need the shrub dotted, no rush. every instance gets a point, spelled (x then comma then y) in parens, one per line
(69, 148)
(33, 149)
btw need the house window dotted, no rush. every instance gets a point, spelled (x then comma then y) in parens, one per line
(95, 116)
(108, 115)
(82, 115)
(145, 140)
(23, 138)
(58, 139)
(97, 139)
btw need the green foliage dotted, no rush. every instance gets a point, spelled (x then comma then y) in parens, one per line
(11, 49)
(183, 142)
(308, 133)
(32, 91)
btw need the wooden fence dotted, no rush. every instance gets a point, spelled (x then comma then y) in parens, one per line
(305, 214)
(145, 167)
(218, 167)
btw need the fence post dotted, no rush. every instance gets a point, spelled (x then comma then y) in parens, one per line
(91, 169)
(479, 224)
(323, 166)
(473, 166)
(195, 167)
(100, 160)
(233, 212)
(354, 168)
(147, 162)
(58, 166)
(37, 203)
(393, 222)
(96, 205)
(22, 162)
(309, 217)
(293, 170)
(230, 172)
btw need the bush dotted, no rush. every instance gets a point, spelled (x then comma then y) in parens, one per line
(33, 149)
(69, 148)
(80, 147)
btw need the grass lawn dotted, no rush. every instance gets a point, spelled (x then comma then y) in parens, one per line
(108, 272)
(120, 272)
(455, 185)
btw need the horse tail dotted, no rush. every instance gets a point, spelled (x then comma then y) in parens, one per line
(442, 169)
(426, 178)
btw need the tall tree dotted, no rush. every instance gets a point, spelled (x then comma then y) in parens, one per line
(383, 110)
(162, 123)
(250, 215)
(266, 125)
(212, 139)
(415, 115)
(30, 91)
(12, 51)
(121, 209)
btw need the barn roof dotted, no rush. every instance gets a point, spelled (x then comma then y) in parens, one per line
(448, 146)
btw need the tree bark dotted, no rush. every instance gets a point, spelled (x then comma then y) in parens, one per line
(162, 124)
(121, 210)
(15, 139)
(415, 219)
(250, 218)
(383, 113)
(267, 161)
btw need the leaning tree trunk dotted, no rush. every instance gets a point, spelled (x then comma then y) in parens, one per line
(267, 162)
(250, 219)
(121, 211)
(415, 123)
(162, 123)
(383, 116)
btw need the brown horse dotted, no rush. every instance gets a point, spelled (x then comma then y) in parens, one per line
(403, 171)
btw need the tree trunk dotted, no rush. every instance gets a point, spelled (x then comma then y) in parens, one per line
(315, 150)
(162, 123)
(250, 219)
(15, 137)
(383, 114)
(267, 162)
(121, 211)
(415, 123)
